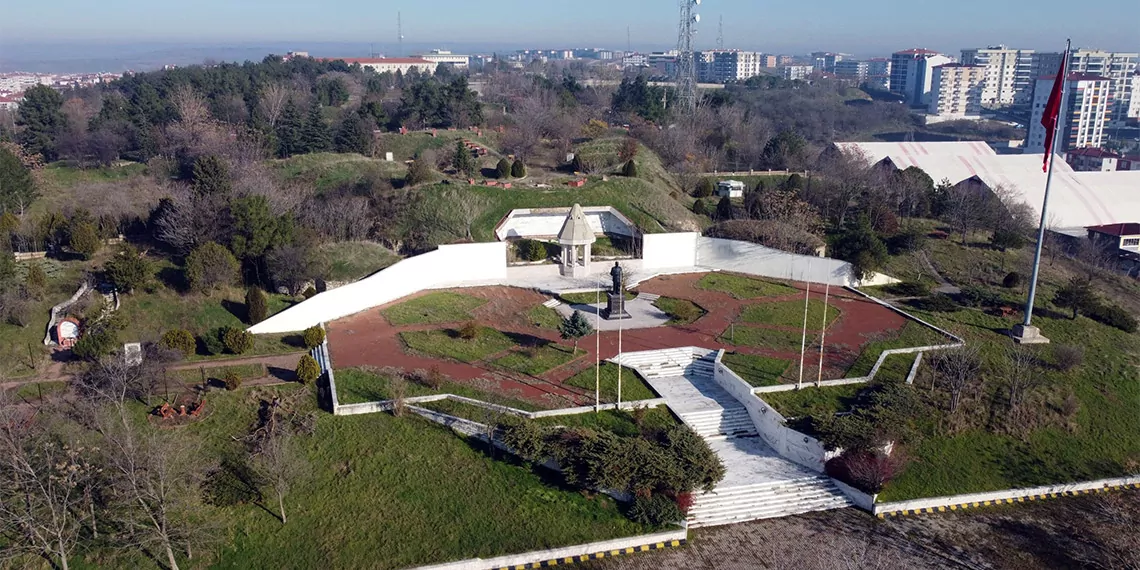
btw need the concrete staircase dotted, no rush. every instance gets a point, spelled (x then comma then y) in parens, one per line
(765, 500)
(724, 423)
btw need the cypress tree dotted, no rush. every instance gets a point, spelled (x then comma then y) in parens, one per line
(518, 169)
(315, 137)
(503, 169)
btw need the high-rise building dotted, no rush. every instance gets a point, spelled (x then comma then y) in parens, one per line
(879, 72)
(768, 61)
(851, 69)
(956, 91)
(797, 71)
(1086, 114)
(663, 62)
(1116, 66)
(720, 66)
(1133, 111)
(1009, 74)
(874, 72)
(826, 61)
(911, 74)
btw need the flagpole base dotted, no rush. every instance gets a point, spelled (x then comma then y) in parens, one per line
(1024, 334)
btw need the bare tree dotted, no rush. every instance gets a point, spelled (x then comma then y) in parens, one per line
(1019, 370)
(1108, 537)
(957, 369)
(272, 100)
(277, 462)
(44, 484)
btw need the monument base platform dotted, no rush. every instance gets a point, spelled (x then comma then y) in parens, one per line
(1023, 334)
(615, 307)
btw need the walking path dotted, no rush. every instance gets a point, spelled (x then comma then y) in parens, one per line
(944, 286)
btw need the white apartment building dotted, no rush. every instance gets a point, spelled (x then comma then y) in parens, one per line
(956, 91)
(1133, 111)
(801, 72)
(1116, 66)
(876, 72)
(826, 61)
(634, 60)
(1083, 120)
(1009, 74)
(400, 65)
(438, 56)
(721, 66)
(912, 71)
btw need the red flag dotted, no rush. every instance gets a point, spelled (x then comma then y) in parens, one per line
(1052, 111)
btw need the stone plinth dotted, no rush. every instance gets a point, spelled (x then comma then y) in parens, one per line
(1025, 334)
(615, 307)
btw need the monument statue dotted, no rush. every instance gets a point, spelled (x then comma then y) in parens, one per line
(615, 308)
(616, 273)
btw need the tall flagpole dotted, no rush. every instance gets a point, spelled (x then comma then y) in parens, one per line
(621, 291)
(1052, 157)
(598, 352)
(823, 334)
(803, 341)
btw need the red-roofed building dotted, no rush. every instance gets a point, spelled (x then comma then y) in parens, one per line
(1092, 160)
(388, 64)
(1124, 236)
(10, 102)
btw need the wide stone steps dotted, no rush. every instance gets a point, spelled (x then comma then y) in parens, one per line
(648, 297)
(732, 422)
(768, 500)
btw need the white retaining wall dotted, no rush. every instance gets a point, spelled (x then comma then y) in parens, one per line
(789, 443)
(859, 498)
(1006, 495)
(660, 251)
(755, 259)
(448, 266)
(521, 560)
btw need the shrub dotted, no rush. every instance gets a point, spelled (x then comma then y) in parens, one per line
(1112, 316)
(867, 470)
(518, 169)
(910, 289)
(180, 340)
(96, 344)
(531, 250)
(701, 468)
(256, 305)
(937, 304)
(84, 239)
(313, 336)
(526, 438)
(1067, 357)
(910, 238)
(704, 188)
(629, 170)
(308, 370)
(237, 341)
(469, 330)
(36, 281)
(1012, 280)
(210, 266)
(503, 168)
(231, 380)
(973, 296)
(699, 208)
(309, 293)
(655, 510)
(419, 172)
(128, 270)
(212, 341)
(434, 378)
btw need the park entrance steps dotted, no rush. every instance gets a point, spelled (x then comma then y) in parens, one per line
(758, 483)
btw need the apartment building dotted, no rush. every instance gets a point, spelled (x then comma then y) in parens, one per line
(401, 65)
(826, 61)
(912, 71)
(801, 72)
(1009, 74)
(1118, 67)
(1087, 112)
(956, 91)
(438, 56)
(876, 72)
(768, 61)
(663, 62)
(721, 66)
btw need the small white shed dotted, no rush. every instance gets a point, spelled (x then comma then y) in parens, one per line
(730, 188)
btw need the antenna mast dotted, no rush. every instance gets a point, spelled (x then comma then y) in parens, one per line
(628, 41)
(720, 35)
(400, 32)
(686, 67)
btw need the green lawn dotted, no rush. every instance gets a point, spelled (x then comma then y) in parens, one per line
(544, 317)
(811, 401)
(35, 390)
(633, 388)
(743, 287)
(755, 369)
(330, 171)
(412, 487)
(356, 386)
(590, 298)
(351, 261)
(244, 371)
(447, 344)
(680, 311)
(789, 314)
(58, 186)
(912, 334)
(434, 308)
(535, 361)
(757, 337)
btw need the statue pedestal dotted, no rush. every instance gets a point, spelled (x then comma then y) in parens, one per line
(615, 307)
(1028, 335)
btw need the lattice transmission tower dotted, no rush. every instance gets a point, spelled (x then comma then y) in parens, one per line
(686, 66)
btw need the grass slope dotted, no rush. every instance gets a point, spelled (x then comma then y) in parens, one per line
(350, 261)
(535, 361)
(755, 369)
(447, 344)
(632, 386)
(432, 309)
(789, 314)
(743, 287)
(544, 317)
(357, 386)
(681, 312)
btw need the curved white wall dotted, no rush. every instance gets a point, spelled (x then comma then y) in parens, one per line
(661, 251)
(754, 259)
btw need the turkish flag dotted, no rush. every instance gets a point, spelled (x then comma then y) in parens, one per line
(1052, 111)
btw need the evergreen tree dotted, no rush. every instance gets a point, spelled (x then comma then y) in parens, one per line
(289, 131)
(860, 247)
(315, 136)
(419, 172)
(210, 266)
(724, 209)
(629, 170)
(128, 270)
(256, 230)
(575, 327)
(256, 305)
(463, 162)
(518, 169)
(503, 169)
(354, 134)
(17, 189)
(36, 281)
(699, 208)
(1077, 295)
(211, 176)
(83, 238)
(42, 120)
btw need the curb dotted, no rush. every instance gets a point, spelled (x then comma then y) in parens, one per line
(596, 555)
(1007, 501)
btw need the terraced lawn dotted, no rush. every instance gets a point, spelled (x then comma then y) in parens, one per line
(446, 343)
(744, 287)
(433, 309)
(681, 312)
(755, 369)
(535, 361)
(789, 314)
(632, 386)
(758, 337)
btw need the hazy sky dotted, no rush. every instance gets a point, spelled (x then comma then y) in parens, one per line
(863, 27)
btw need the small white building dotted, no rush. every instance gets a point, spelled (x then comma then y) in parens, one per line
(730, 188)
(400, 65)
(438, 56)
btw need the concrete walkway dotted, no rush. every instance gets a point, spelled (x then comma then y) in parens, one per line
(643, 315)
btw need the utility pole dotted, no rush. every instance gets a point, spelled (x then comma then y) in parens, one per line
(400, 32)
(686, 66)
(628, 41)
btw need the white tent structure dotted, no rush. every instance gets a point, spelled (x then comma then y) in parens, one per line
(1078, 199)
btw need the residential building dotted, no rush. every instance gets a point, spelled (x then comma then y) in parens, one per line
(438, 56)
(1083, 120)
(1116, 66)
(801, 72)
(768, 61)
(956, 91)
(10, 102)
(826, 61)
(664, 62)
(1009, 74)
(1129, 163)
(852, 69)
(1133, 111)
(1092, 160)
(721, 66)
(782, 60)
(911, 73)
(1124, 236)
(635, 60)
(730, 189)
(400, 65)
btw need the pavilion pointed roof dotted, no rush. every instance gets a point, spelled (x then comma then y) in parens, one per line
(576, 229)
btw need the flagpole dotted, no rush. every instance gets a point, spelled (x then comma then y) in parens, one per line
(598, 351)
(1064, 79)
(823, 334)
(803, 341)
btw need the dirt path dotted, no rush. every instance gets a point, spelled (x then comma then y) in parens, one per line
(944, 286)
(279, 367)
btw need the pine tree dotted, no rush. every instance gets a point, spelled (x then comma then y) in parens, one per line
(575, 327)
(256, 305)
(36, 281)
(463, 162)
(518, 169)
(629, 170)
(128, 270)
(503, 169)
(211, 176)
(289, 131)
(83, 239)
(354, 134)
(315, 136)
(17, 188)
(41, 116)
(724, 209)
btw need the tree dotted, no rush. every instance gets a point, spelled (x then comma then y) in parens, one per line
(628, 149)
(786, 151)
(1077, 295)
(957, 369)
(860, 247)
(180, 340)
(211, 176)
(17, 189)
(256, 229)
(354, 134)
(237, 341)
(699, 208)
(724, 209)
(256, 305)
(704, 188)
(308, 370)
(95, 343)
(629, 170)
(575, 327)
(419, 171)
(129, 270)
(210, 266)
(463, 162)
(503, 169)
(83, 238)
(41, 117)
(313, 336)
(518, 169)
(290, 131)
(277, 463)
(1019, 370)
(293, 266)
(315, 134)
(35, 282)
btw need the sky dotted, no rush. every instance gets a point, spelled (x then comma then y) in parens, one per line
(864, 27)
